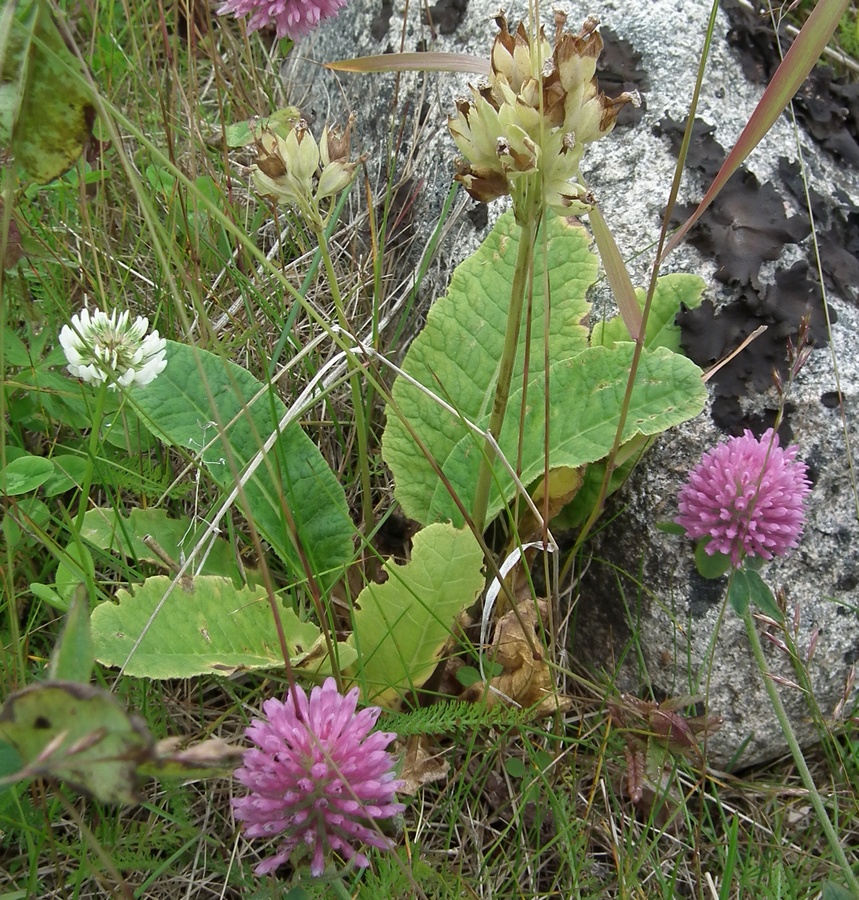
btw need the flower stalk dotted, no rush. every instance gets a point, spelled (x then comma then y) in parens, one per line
(521, 279)
(523, 134)
(354, 369)
(796, 752)
(294, 169)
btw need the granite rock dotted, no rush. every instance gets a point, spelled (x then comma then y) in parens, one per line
(688, 642)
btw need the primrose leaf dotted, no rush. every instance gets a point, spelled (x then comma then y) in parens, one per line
(78, 734)
(401, 626)
(456, 355)
(668, 390)
(108, 530)
(203, 401)
(671, 294)
(46, 111)
(204, 626)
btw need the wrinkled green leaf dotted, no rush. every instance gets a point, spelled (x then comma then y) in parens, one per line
(456, 355)
(401, 626)
(205, 626)
(668, 390)
(46, 111)
(108, 530)
(662, 331)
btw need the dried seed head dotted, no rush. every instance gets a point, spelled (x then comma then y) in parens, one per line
(519, 121)
(296, 170)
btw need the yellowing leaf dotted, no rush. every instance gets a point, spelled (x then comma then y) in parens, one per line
(401, 626)
(208, 627)
(527, 679)
(46, 113)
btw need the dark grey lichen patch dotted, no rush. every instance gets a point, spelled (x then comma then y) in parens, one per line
(709, 335)
(619, 69)
(745, 226)
(705, 153)
(447, 15)
(836, 224)
(382, 20)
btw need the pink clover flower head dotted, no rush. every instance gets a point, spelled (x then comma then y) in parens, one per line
(317, 777)
(291, 18)
(747, 496)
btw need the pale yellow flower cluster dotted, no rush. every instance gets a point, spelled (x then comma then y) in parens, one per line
(533, 117)
(299, 171)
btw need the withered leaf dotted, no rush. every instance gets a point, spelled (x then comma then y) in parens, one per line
(527, 679)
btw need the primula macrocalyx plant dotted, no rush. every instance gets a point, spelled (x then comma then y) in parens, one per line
(110, 348)
(291, 18)
(296, 170)
(318, 777)
(747, 497)
(539, 108)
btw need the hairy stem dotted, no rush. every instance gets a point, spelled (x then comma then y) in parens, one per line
(355, 386)
(524, 263)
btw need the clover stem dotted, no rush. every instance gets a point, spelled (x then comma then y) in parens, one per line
(796, 752)
(354, 385)
(524, 263)
(92, 453)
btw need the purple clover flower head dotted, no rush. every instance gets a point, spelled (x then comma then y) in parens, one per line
(319, 778)
(747, 496)
(291, 18)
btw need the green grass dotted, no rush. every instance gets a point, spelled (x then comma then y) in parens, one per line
(163, 223)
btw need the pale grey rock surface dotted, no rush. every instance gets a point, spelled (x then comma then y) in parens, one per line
(675, 614)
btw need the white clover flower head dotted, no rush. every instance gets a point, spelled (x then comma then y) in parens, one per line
(110, 348)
